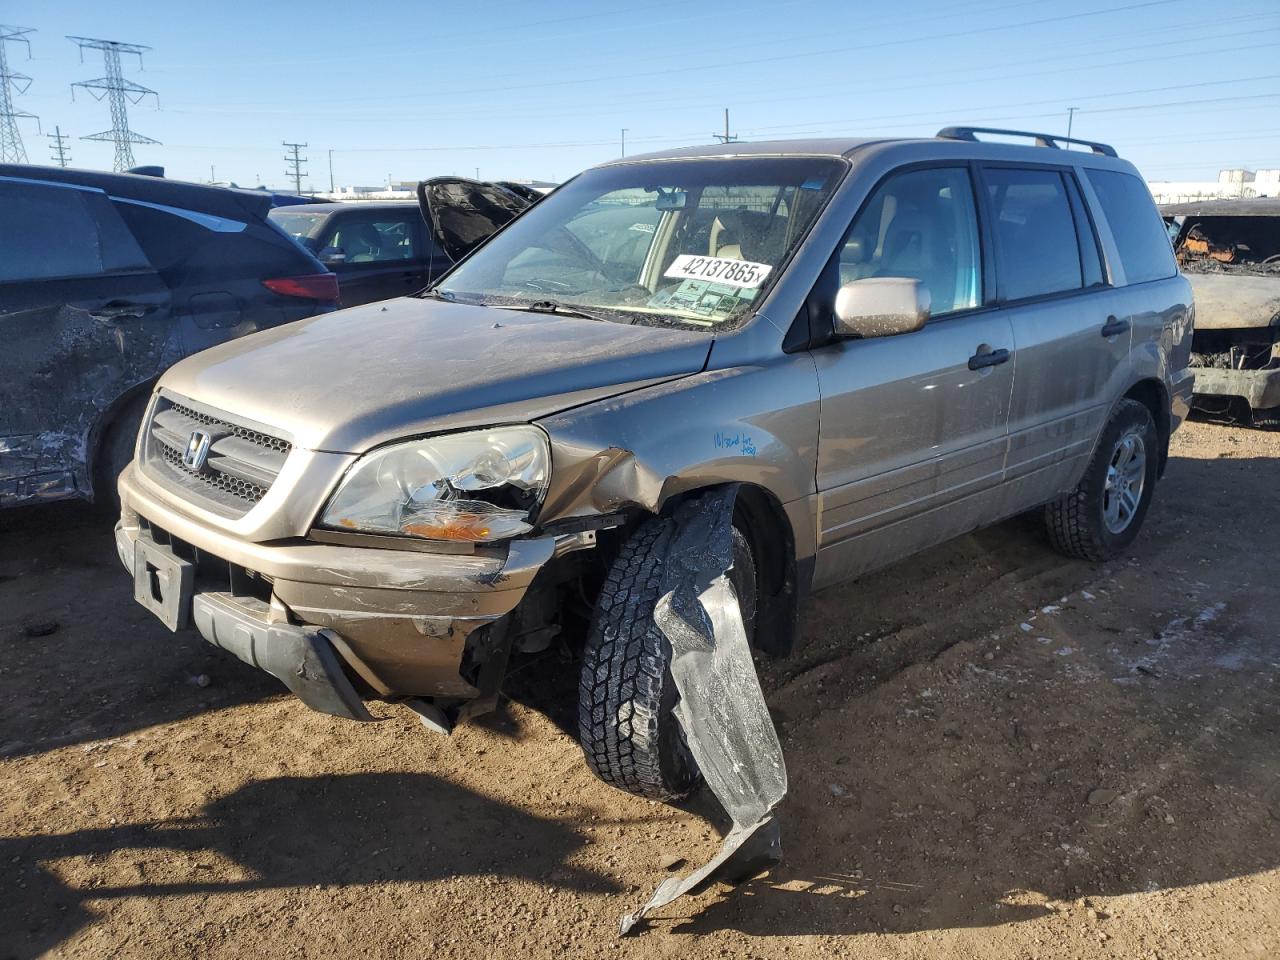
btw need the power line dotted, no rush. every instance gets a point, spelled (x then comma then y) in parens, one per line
(118, 92)
(294, 169)
(11, 147)
(59, 151)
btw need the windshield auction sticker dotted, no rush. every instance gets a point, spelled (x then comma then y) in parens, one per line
(742, 274)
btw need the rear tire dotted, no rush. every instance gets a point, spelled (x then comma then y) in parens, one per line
(116, 452)
(628, 732)
(1103, 515)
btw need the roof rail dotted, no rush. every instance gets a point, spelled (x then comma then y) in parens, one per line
(1041, 139)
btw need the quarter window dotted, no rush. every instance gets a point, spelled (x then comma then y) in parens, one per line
(920, 224)
(1037, 252)
(1145, 252)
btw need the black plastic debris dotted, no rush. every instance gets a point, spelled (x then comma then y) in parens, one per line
(722, 710)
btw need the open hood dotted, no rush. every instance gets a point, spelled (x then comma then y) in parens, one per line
(464, 213)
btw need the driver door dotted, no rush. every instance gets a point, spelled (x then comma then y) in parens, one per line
(914, 427)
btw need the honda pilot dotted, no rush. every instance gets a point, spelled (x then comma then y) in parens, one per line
(878, 344)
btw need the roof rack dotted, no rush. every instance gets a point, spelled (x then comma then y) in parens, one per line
(1041, 139)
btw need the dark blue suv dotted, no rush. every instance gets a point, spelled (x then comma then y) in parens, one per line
(105, 281)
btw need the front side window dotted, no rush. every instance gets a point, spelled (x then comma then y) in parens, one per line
(1143, 243)
(920, 224)
(686, 243)
(374, 239)
(1037, 250)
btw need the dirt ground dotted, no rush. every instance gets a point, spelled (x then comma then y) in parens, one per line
(994, 752)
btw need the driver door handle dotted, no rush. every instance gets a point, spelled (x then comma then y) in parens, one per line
(989, 359)
(1114, 327)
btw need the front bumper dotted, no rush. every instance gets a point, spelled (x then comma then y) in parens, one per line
(1259, 388)
(399, 620)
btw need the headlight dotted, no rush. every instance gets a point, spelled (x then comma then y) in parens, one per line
(480, 486)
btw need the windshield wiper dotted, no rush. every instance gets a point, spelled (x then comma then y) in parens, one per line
(554, 306)
(437, 294)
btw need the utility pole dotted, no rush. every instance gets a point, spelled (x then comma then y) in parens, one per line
(1071, 115)
(295, 161)
(118, 92)
(477, 173)
(11, 148)
(726, 137)
(624, 140)
(59, 149)
(331, 190)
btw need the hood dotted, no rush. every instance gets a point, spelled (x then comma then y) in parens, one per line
(465, 213)
(354, 379)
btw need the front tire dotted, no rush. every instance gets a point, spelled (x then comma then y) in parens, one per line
(626, 726)
(1103, 514)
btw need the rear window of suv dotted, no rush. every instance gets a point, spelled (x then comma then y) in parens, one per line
(1145, 252)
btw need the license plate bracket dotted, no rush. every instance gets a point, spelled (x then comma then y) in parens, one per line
(163, 583)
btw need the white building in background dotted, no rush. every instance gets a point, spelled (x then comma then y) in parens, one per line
(1230, 184)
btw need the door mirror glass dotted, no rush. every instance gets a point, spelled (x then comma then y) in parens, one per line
(333, 255)
(881, 307)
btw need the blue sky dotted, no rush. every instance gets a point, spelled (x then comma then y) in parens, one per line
(541, 90)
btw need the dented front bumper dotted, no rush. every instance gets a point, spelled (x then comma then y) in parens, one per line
(401, 622)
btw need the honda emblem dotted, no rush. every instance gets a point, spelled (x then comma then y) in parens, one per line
(197, 450)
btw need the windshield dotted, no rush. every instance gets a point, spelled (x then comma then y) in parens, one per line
(687, 243)
(301, 226)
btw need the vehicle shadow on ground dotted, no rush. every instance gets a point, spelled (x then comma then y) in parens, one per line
(96, 649)
(1055, 783)
(391, 828)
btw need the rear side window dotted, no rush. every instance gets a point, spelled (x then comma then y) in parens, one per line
(1037, 252)
(47, 232)
(1139, 232)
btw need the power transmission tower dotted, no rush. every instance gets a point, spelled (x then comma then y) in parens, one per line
(726, 137)
(294, 169)
(118, 92)
(11, 148)
(59, 150)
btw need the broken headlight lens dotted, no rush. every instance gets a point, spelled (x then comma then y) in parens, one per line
(481, 486)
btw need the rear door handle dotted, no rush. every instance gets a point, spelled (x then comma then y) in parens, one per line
(989, 359)
(121, 311)
(1114, 327)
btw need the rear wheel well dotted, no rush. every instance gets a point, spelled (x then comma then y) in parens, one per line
(1152, 395)
(100, 436)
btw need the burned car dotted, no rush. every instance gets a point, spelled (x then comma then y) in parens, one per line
(107, 279)
(1230, 251)
(844, 351)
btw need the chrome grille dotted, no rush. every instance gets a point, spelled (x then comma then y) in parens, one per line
(240, 462)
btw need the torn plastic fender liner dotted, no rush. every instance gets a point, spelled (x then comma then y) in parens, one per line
(722, 708)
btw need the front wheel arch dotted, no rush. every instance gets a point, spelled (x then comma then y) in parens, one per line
(761, 517)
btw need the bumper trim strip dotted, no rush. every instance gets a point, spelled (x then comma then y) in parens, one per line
(301, 658)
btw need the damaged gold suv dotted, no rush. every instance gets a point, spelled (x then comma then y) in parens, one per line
(876, 345)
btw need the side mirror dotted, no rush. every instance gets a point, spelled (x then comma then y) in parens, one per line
(333, 255)
(881, 307)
